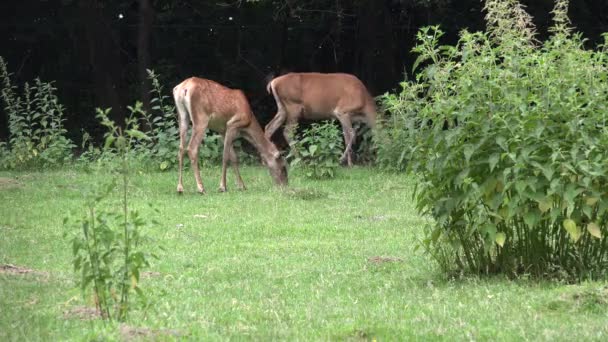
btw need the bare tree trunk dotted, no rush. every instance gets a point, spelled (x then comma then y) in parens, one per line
(104, 59)
(375, 59)
(146, 16)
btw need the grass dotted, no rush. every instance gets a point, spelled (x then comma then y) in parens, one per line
(322, 260)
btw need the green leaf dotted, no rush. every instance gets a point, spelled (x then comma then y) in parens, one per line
(594, 229)
(500, 239)
(531, 218)
(164, 165)
(109, 141)
(137, 134)
(591, 201)
(493, 160)
(572, 229)
(544, 205)
(419, 59)
(468, 152)
(312, 149)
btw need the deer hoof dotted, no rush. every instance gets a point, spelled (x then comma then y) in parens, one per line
(222, 189)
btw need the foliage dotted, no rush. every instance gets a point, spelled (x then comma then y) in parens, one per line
(318, 150)
(36, 133)
(511, 146)
(364, 148)
(396, 132)
(108, 255)
(161, 124)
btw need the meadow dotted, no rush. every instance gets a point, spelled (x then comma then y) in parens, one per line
(321, 260)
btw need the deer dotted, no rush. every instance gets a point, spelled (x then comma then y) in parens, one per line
(318, 96)
(208, 104)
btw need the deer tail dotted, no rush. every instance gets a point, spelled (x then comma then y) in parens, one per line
(180, 95)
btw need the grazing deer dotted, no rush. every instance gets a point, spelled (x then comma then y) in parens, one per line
(210, 105)
(316, 96)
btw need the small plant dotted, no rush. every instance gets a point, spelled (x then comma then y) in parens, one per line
(318, 151)
(107, 253)
(36, 132)
(161, 123)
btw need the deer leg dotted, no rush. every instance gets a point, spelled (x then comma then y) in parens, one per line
(234, 161)
(183, 130)
(274, 124)
(198, 133)
(228, 140)
(349, 137)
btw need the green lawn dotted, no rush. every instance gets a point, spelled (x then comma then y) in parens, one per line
(325, 260)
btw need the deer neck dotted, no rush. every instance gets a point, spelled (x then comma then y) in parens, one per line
(264, 146)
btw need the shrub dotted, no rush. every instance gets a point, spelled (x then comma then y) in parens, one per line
(107, 250)
(318, 150)
(511, 147)
(36, 132)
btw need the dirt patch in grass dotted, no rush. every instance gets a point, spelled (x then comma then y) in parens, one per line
(305, 194)
(84, 313)
(149, 274)
(375, 218)
(8, 269)
(589, 300)
(129, 333)
(383, 259)
(9, 183)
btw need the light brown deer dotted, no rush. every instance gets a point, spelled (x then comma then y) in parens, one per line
(316, 96)
(208, 104)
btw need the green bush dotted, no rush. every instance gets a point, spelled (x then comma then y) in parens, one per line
(36, 133)
(318, 150)
(510, 144)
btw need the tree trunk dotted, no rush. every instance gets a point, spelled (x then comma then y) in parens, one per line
(146, 15)
(375, 59)
(104, 59)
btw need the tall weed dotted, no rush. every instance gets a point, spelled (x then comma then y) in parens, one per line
(36, 133)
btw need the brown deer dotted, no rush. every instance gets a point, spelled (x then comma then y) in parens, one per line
(211, 105)
(316, 96)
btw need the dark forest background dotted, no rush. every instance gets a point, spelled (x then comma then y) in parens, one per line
(97, 51)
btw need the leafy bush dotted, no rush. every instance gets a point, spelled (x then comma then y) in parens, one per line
(36, 132)
(511, 146)
(318, 151)
(107, 251)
